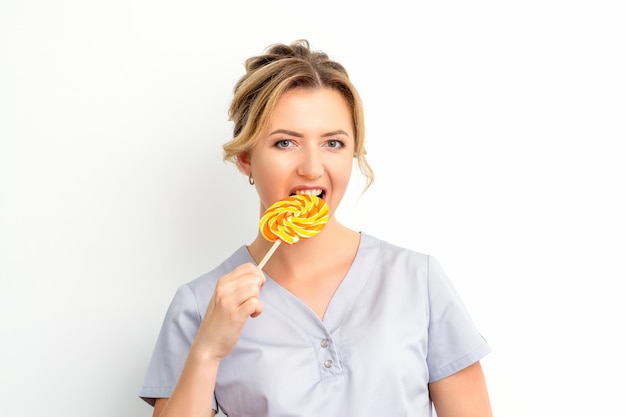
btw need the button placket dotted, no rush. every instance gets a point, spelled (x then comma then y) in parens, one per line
(328, 363)
(328, 358)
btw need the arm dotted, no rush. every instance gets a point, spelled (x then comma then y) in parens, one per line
(160, 404)
(463, 394)
(236, 297)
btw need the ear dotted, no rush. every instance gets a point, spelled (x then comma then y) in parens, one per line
(243, 160)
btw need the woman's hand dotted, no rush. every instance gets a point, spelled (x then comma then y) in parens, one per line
(236, 297)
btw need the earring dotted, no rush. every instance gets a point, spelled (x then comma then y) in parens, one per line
(251, 180)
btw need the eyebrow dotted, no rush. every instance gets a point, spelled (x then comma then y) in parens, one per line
(299, 135)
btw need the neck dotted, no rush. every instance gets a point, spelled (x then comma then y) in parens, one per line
(307, 253)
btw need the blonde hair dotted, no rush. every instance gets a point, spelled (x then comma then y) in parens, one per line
(280, 69)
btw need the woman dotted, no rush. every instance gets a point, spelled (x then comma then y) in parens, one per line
(341, 324)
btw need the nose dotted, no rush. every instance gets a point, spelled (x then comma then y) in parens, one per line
(310, 165)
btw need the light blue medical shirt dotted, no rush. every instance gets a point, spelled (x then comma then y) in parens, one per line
(394, 324)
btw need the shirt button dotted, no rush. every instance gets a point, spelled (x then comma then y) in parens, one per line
(328, 363)
(324, 343)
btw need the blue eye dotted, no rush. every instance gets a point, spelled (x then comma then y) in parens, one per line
(334, 143)
(283, 143)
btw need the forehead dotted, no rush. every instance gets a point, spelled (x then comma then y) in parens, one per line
(321, 107)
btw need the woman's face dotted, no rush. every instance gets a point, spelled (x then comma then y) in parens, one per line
(308, 147)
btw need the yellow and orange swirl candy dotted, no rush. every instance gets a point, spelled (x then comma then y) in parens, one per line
(295, 217)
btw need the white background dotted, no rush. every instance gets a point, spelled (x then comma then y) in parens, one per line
(496, 130)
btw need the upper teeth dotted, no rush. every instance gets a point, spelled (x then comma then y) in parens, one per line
(315, 192)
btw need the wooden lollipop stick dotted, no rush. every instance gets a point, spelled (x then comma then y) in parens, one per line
(269, 253)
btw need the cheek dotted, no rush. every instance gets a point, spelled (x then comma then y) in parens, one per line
(274, 173)
(346, 169)
(265, 169)
(270, 179)
(341, 175)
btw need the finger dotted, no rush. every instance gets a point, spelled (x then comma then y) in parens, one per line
(239, 285)
(232, 293)
(236, 290)
(253, 307)
(241, 275)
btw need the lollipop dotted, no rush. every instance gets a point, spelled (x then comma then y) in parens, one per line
(299, 216)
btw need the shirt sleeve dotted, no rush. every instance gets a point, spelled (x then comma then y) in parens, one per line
(454, 342)
(178, 330)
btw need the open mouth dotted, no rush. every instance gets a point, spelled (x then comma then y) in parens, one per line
(316, 192)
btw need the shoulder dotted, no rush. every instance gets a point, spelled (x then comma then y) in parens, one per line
(201, 288)
(393, 259)
(389, 252)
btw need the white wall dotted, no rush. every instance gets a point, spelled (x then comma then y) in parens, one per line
(496, 130)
